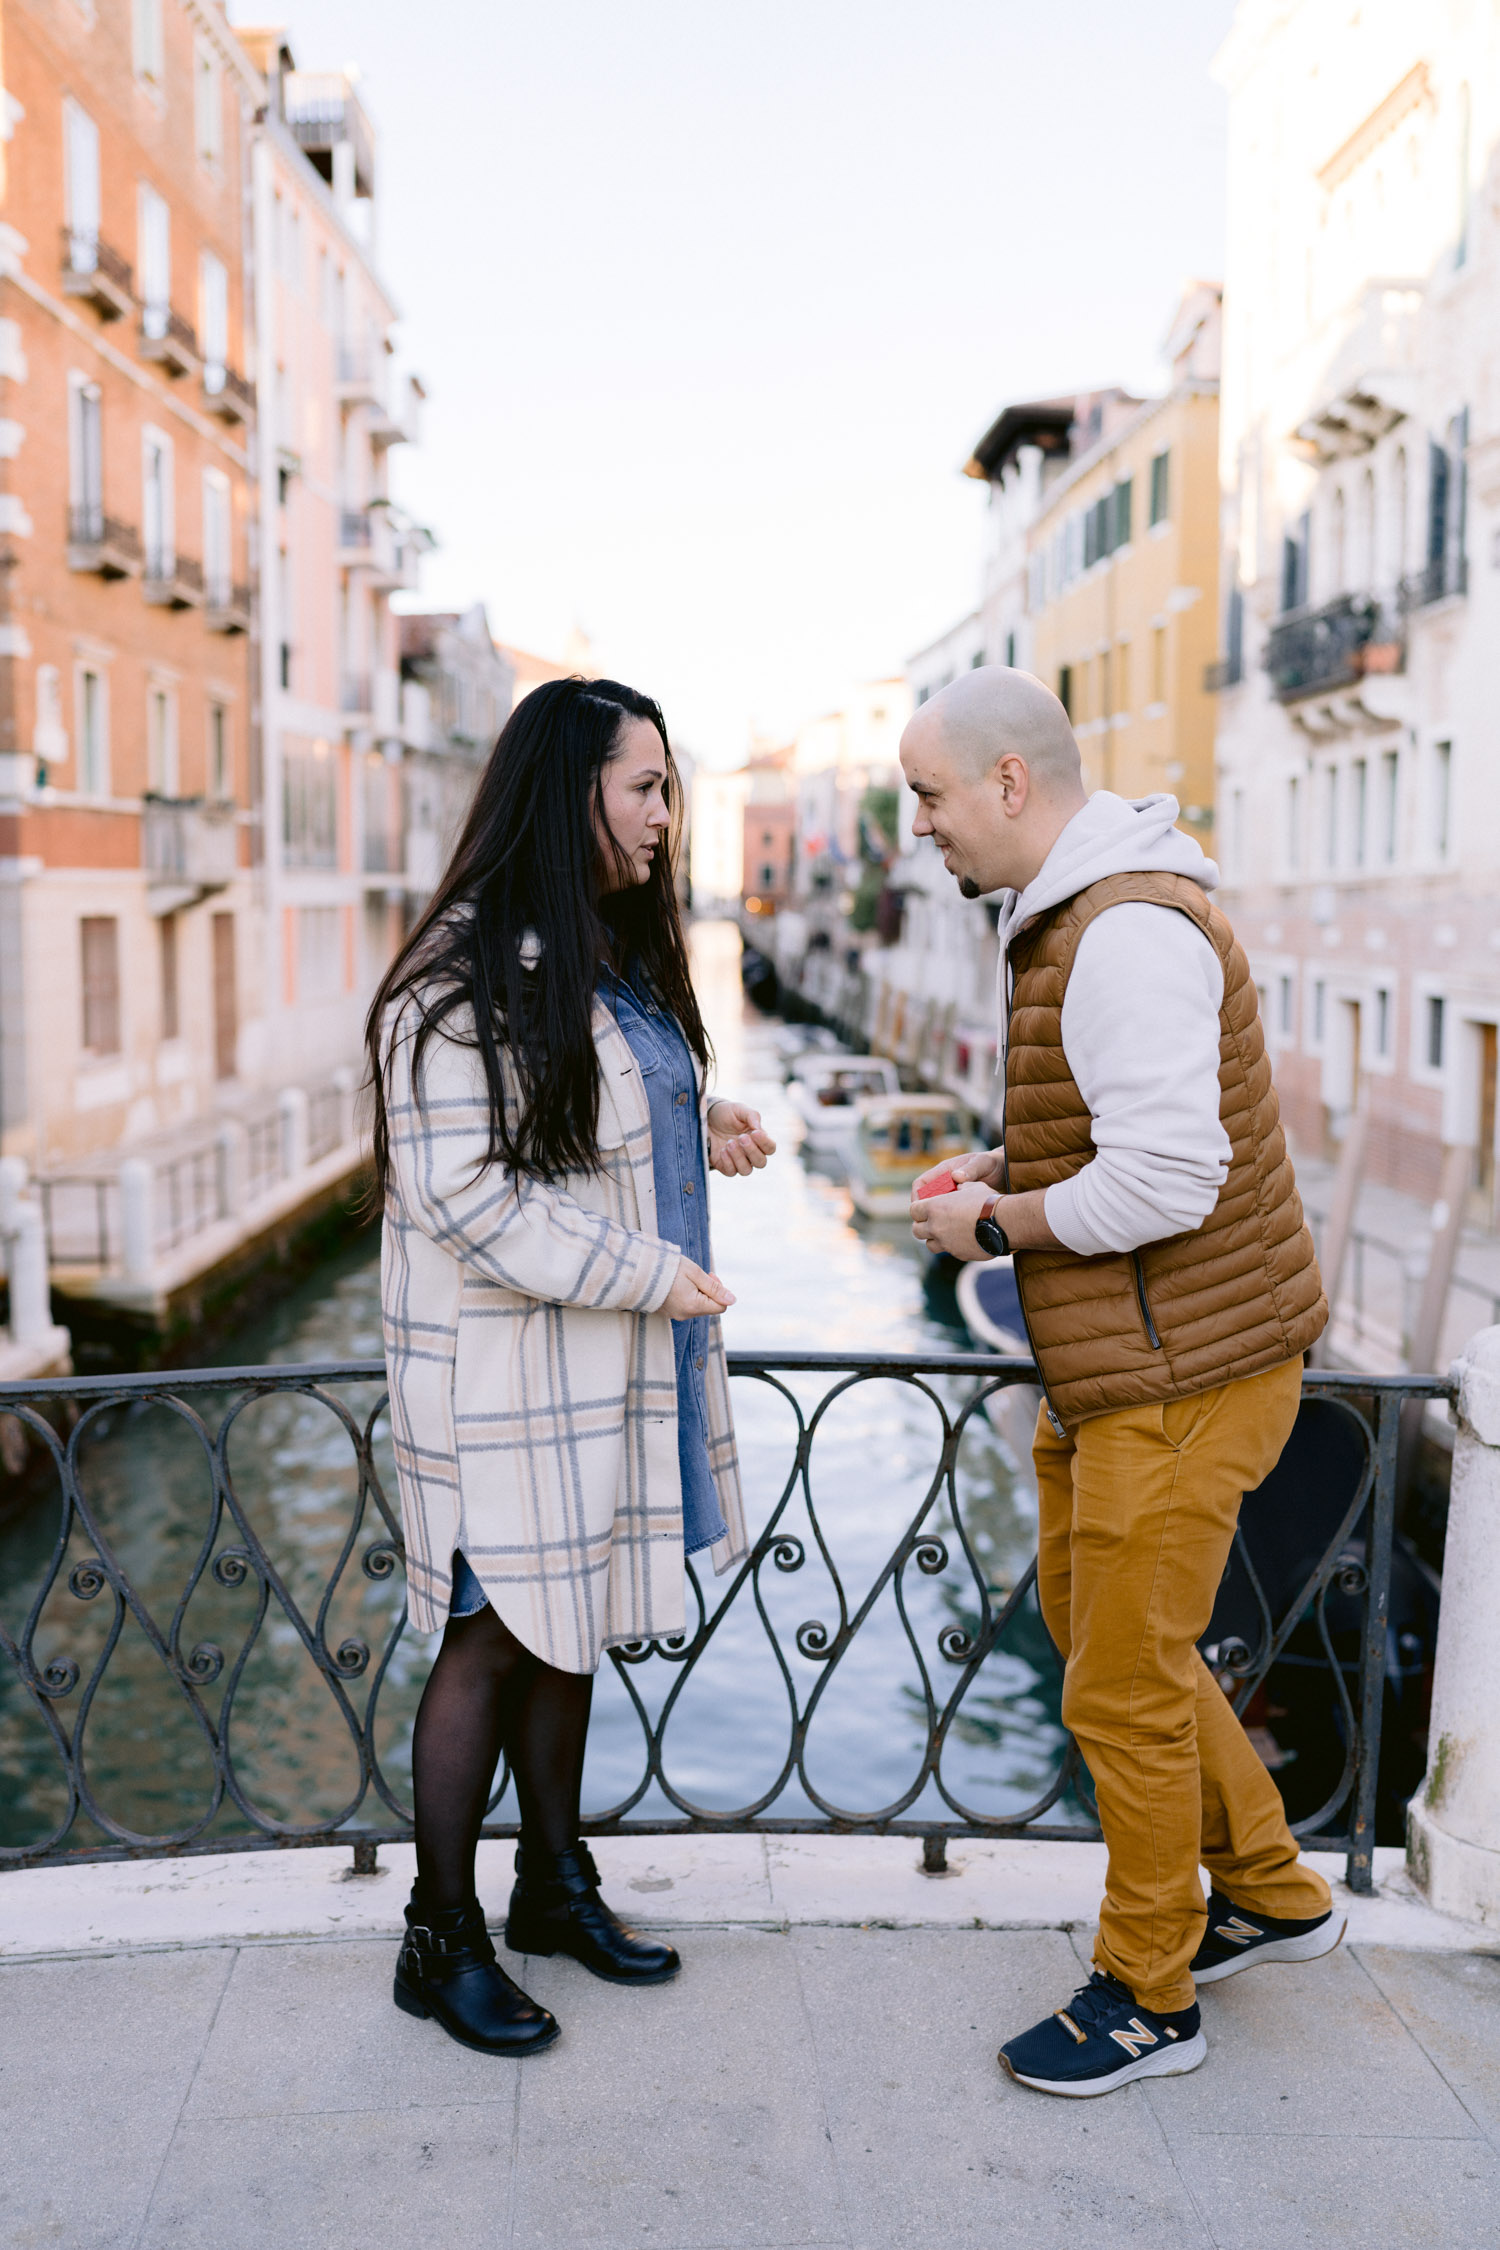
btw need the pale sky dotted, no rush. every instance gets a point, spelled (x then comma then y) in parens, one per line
(712, 301)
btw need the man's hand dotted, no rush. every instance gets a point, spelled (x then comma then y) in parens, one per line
(738, 1144)
(987, 1165)
(946, 1222)
(695, 1292)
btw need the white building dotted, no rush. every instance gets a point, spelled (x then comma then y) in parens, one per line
(717, 840)
(1359, 782)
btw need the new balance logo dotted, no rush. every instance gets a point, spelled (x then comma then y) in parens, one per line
(1134, 2037)
(1237, 1931)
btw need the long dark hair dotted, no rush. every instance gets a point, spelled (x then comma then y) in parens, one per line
(520, 922)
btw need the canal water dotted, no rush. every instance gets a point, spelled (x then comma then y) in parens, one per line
(808, 1274)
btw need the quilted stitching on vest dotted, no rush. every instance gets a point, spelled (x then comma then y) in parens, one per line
(1236, 1295)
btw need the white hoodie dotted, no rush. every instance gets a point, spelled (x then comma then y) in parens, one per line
(1140, 1031)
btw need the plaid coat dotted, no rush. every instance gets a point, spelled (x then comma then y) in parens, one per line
(532, 1377)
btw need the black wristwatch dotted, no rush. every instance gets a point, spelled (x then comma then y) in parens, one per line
(989, 1234)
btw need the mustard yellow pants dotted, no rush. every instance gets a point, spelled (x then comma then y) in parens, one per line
(1137, 1516)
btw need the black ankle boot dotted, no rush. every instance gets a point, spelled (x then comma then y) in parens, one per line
(448, 1969)
(556, 1908)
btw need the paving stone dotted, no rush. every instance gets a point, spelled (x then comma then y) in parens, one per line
(1342, 2192)
(306, 2028)
(95, 2058)
(1308, 2049)
(433, 2179)
(680, 2115)
(1451, 2003)
(934, 2143)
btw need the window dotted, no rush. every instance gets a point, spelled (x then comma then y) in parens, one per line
(85, 459)
(93, 732)
(1159, 487)
(158, 527)
(1296, 552)
(1390, 801)
(1284, 1006)
(217, 558)
(1159, 664)
(768, 878)
(154, 256)
(1065, 688)
(213, 319)
(1382, 1022)
(1360, 808)
(1319, 1011)
(320, 953)
(171, 1026)
(1122, 677)
(1294, 823)
(1124, 494)
(310, 807)
(161, 741)
(1010, 649)
(1331, 810)
(100, 940)
(208, 104)
(1105, 705)
(147, 27)
(81, 186)
(1435, 1041)
(220, 767)
(226, 998)
(1442, 792)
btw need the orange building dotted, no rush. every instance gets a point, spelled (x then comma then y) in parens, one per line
(128, 753)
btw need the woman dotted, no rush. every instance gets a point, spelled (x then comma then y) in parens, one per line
(559, 1399)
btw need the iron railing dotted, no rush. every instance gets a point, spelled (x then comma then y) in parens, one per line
(247, 1597)
(1313, 651)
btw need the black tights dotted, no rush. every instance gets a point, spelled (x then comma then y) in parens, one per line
(487, 1693)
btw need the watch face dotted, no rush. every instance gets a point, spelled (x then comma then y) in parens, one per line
(992, 1237)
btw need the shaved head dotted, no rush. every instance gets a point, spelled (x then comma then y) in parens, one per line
(993, 710)
(996, 774)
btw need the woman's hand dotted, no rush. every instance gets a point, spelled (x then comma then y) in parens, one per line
(738, 1144)
(695, 1292)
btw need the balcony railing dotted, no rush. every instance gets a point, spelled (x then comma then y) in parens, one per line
(187, 842)
(95, 271)
(1435, 581)
(226, 606)
(240, 1654)
(227, 394)
(101, 543)
(356, 533)
(169, 339)
(1314, 651)
(172, 581)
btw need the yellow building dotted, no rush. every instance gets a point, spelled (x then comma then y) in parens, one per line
(1123, 583)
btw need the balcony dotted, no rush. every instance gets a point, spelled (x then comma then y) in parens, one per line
(94, 271)
(356, 537)
(173, 581)
(169, 341)
(188, 849)
(1436, 581)
(358, 383)
(1316, 651)
(228, 395)
(226, 607)
(102, 545)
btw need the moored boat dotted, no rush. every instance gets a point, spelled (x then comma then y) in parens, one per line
(895, 1139)
(828, 1092)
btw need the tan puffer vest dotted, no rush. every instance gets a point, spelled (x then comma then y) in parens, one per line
(1239, 1294)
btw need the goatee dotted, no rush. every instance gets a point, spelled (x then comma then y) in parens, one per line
(968, 888)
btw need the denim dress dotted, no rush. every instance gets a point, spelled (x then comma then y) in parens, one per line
(671, 1081)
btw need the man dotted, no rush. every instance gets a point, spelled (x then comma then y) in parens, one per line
(1170, 1291)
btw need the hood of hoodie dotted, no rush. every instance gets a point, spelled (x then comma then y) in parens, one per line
(1111, 836)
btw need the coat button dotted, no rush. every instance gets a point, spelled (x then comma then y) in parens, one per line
(681, 1099)
(698, 1362)
(688, 1189)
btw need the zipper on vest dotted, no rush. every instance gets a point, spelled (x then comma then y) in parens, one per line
(1145, 1302)
(1051, 1411)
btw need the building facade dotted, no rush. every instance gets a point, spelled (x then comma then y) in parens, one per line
(129, 775)
(1122, 598)
(456, 694)
(1359, 787)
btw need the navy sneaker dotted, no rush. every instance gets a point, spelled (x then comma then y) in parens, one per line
(1236, 1939)
(1103, 2039)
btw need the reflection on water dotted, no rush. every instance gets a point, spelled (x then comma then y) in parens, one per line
(806, 1274)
